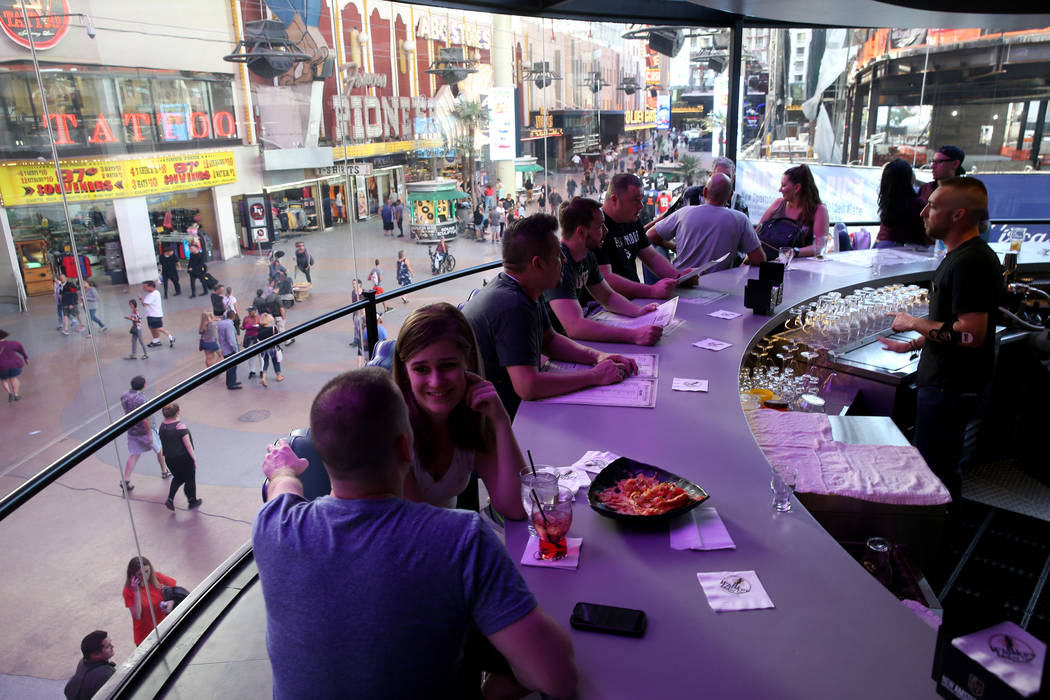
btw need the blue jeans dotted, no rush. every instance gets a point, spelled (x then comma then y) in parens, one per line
(941, 418)
(92, 312)
(231, 376)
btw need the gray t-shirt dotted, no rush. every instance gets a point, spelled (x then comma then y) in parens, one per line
(705, 232)
(509, 327)
(575, 277)
(373, 598)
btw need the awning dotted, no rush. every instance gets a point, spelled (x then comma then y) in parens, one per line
(435, 195)
(528, 168)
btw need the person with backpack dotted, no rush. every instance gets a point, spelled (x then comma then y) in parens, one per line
(197, 269)
(94, 667)
(404, 272)
(375, 276)
(797, 219)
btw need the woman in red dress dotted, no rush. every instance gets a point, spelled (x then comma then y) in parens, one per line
(144, 583)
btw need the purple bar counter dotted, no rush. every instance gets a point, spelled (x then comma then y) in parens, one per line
(834, 633)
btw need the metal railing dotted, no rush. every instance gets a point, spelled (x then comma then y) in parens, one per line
(48, 475)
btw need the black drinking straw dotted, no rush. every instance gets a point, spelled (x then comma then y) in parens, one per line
(533, 465)
(540, 507)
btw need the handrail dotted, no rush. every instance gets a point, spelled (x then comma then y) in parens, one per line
(48, 475)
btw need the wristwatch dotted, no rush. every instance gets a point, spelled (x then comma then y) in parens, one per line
(796, 251)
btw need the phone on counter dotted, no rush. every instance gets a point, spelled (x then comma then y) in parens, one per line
(608, 619)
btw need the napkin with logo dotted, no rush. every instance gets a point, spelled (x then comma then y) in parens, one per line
(1009, 652)
(700, 529)
(571, 560)
(734, 590)
(579, 474)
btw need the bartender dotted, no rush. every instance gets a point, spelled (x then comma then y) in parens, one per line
(958, 338)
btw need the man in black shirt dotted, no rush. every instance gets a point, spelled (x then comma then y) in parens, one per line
(958, 338)
(196, 267)
(513, 328)
(626, 242)
(169, 270)
(217, 307)
(94, 668)
(582, 230)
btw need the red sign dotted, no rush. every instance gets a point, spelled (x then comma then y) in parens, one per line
(48, 22)
(257, 212)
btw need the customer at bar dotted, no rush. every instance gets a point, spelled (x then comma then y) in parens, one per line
(947, 162)
(582, 231)
(369, 595)
(514, 330)
(626, 243)
(799, 204)
(458, 420)
(900, 209)
(958, 338)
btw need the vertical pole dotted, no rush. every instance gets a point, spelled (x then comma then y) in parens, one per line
(1037, 138)
(1024, 124)
(736, 57)
(371, 321)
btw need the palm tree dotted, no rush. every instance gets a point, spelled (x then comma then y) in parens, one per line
(470, 116)
(689, 167)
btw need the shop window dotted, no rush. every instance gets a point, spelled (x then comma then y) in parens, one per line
(136, 106)
(223, 111)
(81, 107)
(20, 115)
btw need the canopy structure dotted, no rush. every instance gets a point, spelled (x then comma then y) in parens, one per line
(528, 168)
(429, 196)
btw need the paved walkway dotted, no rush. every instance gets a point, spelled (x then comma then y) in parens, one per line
(70, 545)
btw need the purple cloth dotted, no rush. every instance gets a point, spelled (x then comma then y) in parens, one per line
(373, 598)
(12, 355)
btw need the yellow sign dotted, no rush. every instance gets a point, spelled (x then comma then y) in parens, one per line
(87, 180)
(541, 133)
(688, 110)
(367, 150)
(639, 119)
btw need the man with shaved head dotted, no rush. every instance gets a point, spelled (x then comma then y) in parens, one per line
(709, 231)
(958, 338)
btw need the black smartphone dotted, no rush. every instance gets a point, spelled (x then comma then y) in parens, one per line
(608, 619)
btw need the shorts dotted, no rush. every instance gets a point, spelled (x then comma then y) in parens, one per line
(147, 442)
(388, 225)
(10, 373)
(209, 346)
(155, 321)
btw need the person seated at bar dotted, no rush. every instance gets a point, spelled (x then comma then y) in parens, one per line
(900, 209)
(626, 243)
(514, 330)
(369, 595)
(710, 231)
(458, 420)
(582, 231)
(799, 211)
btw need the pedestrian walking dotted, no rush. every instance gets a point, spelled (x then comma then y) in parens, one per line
(197, 267)
(154, 312)
(13, 358)
(386, 213)
(70, 307)
(270, 356)
(209, 342)
(143, 582)
(169, 271)
(375, 276)
(94, 667)
(141, 437)
(399, 217)
(177, 443)
(404, 272)
(229, 302)
(228, 346)
(136, 330)
(303, 261)
(59, 283)
(251, 337)
(91, 300)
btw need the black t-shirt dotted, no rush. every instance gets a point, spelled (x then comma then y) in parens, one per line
(968, 280)
(509, 327)
(217, 307)
(575, 278)
(169, 264)
(171, 441)
(196, 263)
(621, 246)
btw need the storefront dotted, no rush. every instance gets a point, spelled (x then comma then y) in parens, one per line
(121, 212)
(380, 171)
(432, 204)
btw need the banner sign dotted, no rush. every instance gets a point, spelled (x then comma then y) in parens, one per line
(502, 139)
(663, 111)
(639, 119)
(48, 22)
(86, 180)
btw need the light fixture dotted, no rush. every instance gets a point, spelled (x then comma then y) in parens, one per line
(955, 112)
(452, 66)
(540, 74)
(266, 49)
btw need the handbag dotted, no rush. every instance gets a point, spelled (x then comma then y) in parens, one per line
(279, 354)
(780, 232)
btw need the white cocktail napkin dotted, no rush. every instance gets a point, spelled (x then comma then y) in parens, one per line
(571, 560)
(734, 590)
(701, 529)
(1009, 652)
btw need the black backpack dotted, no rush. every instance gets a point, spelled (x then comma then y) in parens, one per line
(780, 232)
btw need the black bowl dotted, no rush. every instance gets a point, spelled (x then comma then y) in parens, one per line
(624, 468)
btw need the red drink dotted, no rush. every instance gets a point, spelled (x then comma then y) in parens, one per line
(552, 531)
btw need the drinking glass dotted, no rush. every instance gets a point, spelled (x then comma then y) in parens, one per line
(545, 484)
(1015, 236)
(552, 522)
(783, 485)
(786, 254)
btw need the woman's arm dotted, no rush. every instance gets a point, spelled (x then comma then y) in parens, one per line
(498, 466)
(187, 441)
(136, 607)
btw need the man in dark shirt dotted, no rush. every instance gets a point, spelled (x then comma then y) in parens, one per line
(958, 338)
(169, 270)
(303, 260)
(196, 268)
(626, 242)
(217, 306)
(94, 668)
(947, 162)
(513, 328)
(582, 230)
